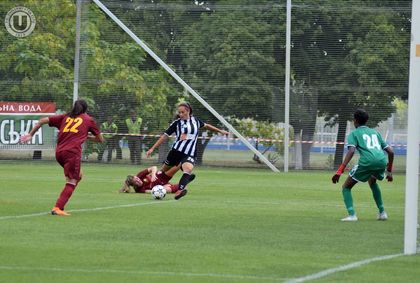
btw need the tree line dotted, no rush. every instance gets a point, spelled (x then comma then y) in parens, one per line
(345, 54)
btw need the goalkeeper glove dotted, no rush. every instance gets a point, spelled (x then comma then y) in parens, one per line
(389, 177)
(338, 173)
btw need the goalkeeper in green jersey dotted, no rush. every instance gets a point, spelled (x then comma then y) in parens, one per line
(371, 166)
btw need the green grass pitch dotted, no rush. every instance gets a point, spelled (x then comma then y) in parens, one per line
(233, 226)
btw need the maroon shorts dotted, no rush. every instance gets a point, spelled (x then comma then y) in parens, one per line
(71, 163)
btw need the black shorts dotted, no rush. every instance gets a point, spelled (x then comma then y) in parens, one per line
(176, 157)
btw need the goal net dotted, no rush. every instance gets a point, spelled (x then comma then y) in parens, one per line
(231, 54)
(344, 55)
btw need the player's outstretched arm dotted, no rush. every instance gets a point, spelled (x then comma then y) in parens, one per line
(215, 129)
(28, 137)
(124, 189)
(153, 171)
(161, 139)
(343, 165)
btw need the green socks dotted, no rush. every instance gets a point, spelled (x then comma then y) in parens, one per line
(348, 200)
(377, 197)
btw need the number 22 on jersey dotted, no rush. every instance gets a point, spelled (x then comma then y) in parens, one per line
(372, 141)
(72, 125)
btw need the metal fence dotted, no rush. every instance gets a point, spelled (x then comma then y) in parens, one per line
(344, 55)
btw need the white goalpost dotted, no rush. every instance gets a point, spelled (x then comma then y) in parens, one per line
(184, 84)
(287, 84)
(412, 164)
(77, 51)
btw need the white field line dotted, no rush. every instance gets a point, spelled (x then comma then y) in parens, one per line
(295, 280)
(85, 209)
(257, 203)
(140, 272)
(185, 274)
(330, 271)
(23, 216)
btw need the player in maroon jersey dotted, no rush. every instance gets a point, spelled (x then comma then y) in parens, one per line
(74, 128)
(146, 179)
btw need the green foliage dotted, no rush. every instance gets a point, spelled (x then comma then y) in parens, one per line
(115, 76)
(330, 162)
(304, 102)
(401, 115)
(345, 54)
(237, 59)
(365, 59)
(40, 67)
(363, 65)
(91, 147)
(119, 76)
(269, 135)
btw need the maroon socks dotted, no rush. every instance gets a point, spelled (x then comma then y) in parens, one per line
(65, 195)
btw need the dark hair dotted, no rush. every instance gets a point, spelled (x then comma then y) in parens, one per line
(361, 116)
(186, 105)
(129, 180)
(79, 107)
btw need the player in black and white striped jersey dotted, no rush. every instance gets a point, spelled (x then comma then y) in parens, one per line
(186, 134)
(184, 150)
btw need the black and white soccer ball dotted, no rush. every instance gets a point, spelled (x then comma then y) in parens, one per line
(158, 192)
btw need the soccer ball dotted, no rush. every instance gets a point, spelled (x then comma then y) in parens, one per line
(158, 192)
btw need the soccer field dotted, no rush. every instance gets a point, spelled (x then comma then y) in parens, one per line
(233, 226)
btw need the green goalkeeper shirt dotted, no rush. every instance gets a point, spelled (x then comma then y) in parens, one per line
(370, 145)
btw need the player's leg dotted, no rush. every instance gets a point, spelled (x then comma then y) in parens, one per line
(110, 147)
(65, 195)
(175, 158)
(377, 196)
(131, 147)
(172, 163)
(173, 188)
(348, 199)
(187, 168)
(102, 148)
(170, 171)
(135, 150)
(138, 150)
(71, 165)
(166, 168)
(192, 177)
(118, 148)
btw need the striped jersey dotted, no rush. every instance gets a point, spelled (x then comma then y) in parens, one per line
(186, 132)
